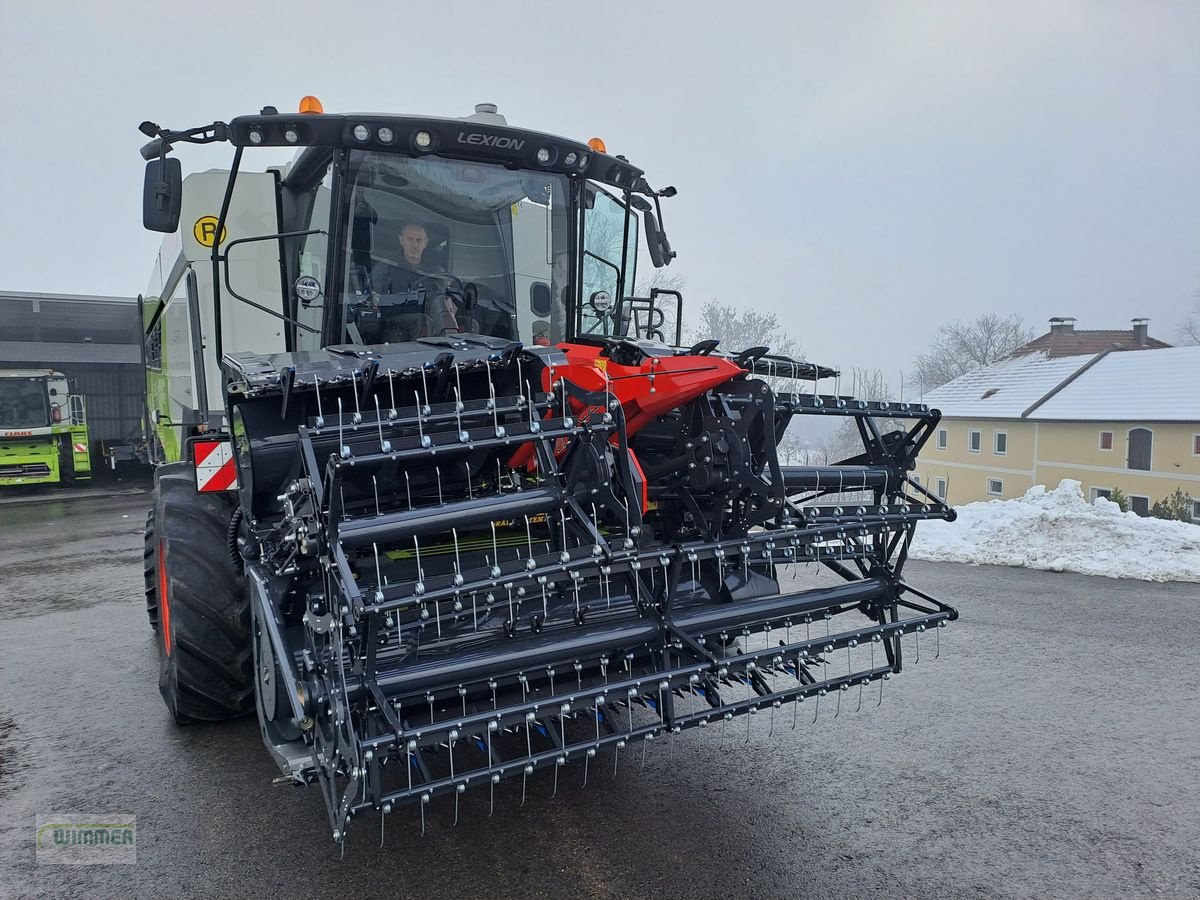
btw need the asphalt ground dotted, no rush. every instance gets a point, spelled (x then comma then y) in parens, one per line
(1053, 750)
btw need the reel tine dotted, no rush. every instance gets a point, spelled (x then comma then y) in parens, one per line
(458, 792)
(424, 802)
(384, 810)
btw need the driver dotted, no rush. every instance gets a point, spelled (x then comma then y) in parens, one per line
(415, 292)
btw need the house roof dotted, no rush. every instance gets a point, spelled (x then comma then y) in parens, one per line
(1003, 390)
(1071, 342)
(1116, 387)
(1163, 386)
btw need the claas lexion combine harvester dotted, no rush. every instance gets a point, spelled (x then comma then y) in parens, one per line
(444, 504)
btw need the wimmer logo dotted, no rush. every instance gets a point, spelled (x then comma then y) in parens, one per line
(75, 839)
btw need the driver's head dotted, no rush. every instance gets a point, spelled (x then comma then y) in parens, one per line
(413, 241)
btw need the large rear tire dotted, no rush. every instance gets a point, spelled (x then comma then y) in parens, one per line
(203, 610)
(149, 569)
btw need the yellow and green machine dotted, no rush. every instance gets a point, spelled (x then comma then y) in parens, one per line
(43, 429)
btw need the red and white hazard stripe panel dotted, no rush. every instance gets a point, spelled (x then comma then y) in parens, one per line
(215, 470)
(81, 448)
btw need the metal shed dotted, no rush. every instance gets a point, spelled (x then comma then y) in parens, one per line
(93, 340)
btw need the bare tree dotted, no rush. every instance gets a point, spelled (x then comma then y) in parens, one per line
(844, 442)
(962, 347)
(739, 329)
(1189, 329)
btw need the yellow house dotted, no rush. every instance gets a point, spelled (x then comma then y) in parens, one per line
(1109, 420)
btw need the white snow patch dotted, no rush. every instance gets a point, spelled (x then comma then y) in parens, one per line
(1060, 531)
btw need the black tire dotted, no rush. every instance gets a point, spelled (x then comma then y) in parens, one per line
(204, 640)
(149, 570)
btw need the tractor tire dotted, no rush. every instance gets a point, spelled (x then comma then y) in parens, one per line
(149, 571)
(203, 609)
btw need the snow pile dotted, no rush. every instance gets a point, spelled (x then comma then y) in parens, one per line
(1059, 531)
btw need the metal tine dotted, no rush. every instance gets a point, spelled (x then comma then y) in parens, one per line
(458, 578)
(408, 490)
(620, 745)
(499, 478)
(534, 425)
(344, 452)
(392, 394)
(375, 485)
(437, 471)
(458, 792)
(357, 417)
(860, 694)
(495, 569)
(426, 441)
(467, 467)
(384, 446)
(587, 758)
(420, 586)
(530, 562)
(463, 437)
(492, 399)
(378, 576)
(424, 802)
(317, 391)
(937, 638)
(384, 810)
(423, 409)
(817, 706)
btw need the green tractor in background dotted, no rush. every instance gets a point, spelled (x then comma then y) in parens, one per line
(43, 429)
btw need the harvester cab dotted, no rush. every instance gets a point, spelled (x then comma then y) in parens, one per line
(43, 429)
(446, 504)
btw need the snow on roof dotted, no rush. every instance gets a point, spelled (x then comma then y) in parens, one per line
(1158, 386)
(1005, 389)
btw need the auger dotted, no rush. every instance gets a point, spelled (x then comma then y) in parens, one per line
(440, 501)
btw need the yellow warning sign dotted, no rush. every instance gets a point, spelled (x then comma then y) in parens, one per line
(205, 230)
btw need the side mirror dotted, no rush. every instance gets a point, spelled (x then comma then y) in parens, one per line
(162, 195)
(653, 241)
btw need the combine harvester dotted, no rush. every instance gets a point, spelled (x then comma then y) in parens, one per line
(443, 504)
(43, 429)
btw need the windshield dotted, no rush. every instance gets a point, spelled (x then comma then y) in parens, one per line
(24, 403)
(438, 247)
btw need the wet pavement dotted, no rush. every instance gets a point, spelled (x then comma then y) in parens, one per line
(1052, 750)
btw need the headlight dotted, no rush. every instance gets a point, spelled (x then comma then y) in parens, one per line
(361, 132)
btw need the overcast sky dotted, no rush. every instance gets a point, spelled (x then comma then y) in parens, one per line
(868, 170)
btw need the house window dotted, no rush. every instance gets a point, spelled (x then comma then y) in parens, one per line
(943, 439)
(995, 487)
(1141, 443)
(1196, 510)
(941, 493)
(1106, 440)
(1139, 505)
(1196, 445)
(974, 440)
(916, 478)
(1000, 443)
(1106, 493)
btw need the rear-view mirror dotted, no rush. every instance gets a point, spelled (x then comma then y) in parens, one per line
(162, 194)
